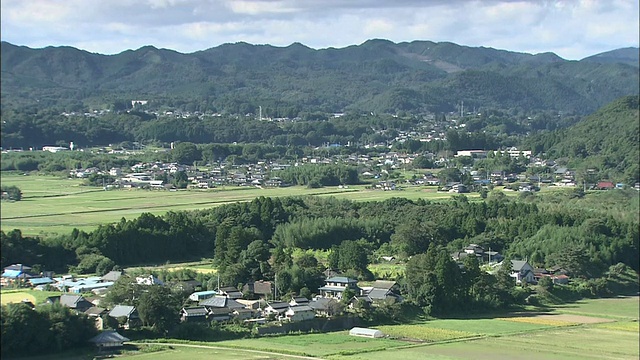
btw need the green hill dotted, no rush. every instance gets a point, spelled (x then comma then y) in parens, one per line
(607, 141)
(377, 75)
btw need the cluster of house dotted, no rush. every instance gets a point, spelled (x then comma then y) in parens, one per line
(19, 274)
(227, 303)
(222, 304)
(521, 270)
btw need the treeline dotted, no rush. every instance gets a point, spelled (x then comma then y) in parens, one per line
(319, 175)
(35, 128)
(43, 330)
(255, 240)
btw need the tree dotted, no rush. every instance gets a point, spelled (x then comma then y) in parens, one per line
(158, 308)
(185, 153)
(350, 255)
(12, 193)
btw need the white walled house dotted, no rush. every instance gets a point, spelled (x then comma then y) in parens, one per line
(522, 271)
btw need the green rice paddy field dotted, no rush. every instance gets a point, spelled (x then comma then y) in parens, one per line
(55, 205)
(556, 334)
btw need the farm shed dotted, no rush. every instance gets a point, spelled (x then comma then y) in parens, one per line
(108, 339)
(364, 332)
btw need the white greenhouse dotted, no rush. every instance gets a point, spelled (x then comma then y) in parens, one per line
(364, 332)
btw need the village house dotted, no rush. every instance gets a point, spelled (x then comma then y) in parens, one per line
(299, 313)
(521, 271)
(260, 289)
(194, 314)
(128, 314)
(335, 286)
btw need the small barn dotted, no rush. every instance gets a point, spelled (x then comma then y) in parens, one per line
(108, 340)
(365, 332)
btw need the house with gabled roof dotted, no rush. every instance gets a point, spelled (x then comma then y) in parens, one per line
(299, 313)
(219, 314)
(75, 302)
(221, 302)
(230, 292)
(521, 271)
(109, 339)
(298, 300)
(260, 289)
(15, 273)
(194, 313)
(277, 308)
(128, 312)
(325, 306)
(335, 286)
(112, 276)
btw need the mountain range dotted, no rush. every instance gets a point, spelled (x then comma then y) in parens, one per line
(378, 75)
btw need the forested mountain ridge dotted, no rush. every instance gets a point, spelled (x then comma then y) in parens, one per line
(629, 55)
(605, 140)
(377, 75)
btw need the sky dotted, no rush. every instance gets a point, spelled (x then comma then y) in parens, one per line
(573, 29)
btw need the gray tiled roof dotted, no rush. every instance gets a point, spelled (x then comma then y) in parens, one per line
(383, 284)
(121, 310)
(108, 337)
(195, 311)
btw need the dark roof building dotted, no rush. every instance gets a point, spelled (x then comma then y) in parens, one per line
(109, 339)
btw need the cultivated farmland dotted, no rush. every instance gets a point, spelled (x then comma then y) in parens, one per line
(54, 205)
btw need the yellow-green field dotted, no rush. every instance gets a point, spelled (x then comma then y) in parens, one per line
(55, 205)
(16, 297)
(35, 296)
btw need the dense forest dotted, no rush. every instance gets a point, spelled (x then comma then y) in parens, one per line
(378, 76)
(606, 141)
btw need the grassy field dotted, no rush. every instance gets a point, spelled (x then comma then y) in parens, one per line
(35, 296)
(203, 353)
(556, 344)
(387, 271)
(572, 331)
(623, 308)
(318, 345)
(54, 205)
(15, 297)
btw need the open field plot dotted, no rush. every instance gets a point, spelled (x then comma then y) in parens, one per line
(567, 343)
(87, 210)
(315, 344)
(387, 270)
(621, 307)
(458, 327)
(54, 205)
(205, 267)
(193, 352)
(169, 352)
(35, 296)
(16, 297)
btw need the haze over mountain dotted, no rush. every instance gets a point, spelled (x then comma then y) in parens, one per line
(377, 75)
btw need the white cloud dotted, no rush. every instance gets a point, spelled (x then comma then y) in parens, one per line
(572, 29)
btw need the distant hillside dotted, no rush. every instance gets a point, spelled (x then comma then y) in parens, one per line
(629, 56)
(607, 141)
(377, 75)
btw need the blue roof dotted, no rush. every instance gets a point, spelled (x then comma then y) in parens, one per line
(11, 273)
(206, 292)
(88, 287)
(40, 281)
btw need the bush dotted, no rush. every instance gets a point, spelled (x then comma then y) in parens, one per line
(11, 193)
